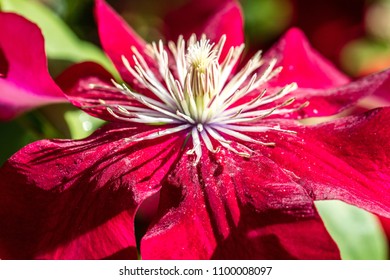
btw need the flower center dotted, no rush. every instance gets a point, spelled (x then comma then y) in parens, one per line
(199, 93)
(200, 56)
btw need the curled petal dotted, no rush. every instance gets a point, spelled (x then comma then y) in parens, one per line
(25, 82)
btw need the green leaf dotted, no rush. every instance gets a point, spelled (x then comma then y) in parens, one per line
(81, 124)
(13, 137)
(357, 232)
(266, 19)
(363, 56)
(23, 130)
(60, 42)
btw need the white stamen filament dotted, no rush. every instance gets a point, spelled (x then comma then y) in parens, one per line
(201, 96)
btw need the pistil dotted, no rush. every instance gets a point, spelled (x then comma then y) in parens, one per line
(202, 96)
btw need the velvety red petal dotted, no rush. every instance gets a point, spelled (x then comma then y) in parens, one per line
(332, 101)
(327, 90)
(25, 82)
(327, 102)
(382, 94)
(232, 208)
(302, 64)
(347, 159)
(213, 18)
(117, 38)
(63, 199)
(77, 82)
(227, 21)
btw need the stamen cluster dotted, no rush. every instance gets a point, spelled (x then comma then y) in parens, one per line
(198, 93)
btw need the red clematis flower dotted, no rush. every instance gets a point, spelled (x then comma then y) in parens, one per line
(236, 173)
(25, 82)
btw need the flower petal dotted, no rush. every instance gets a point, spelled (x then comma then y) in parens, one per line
(213, 18)
(78, 81)
(63, 199)
(381, 96)
(327, 102)
(327, 90)
(25, 82)
(302, 64)
(232, 208)
(347, 159)
(117, 38)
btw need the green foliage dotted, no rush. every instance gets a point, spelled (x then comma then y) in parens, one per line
(63, 48)
(81, 124)
(358, 233)
(363, 56)
(23, 130)
(60, 42)
(266, 19)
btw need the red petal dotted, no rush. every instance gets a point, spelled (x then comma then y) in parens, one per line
(220, 210)
(63, 199)
(25, 82)
(76, 82)
(327, 102)
(117, 38)
(382, 94)
(319, 82)
(213, 18)
(346, 159)
(302, 64)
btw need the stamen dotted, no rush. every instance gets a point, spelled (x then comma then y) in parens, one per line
(197, 149)
(208, 143)
(200, 96)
